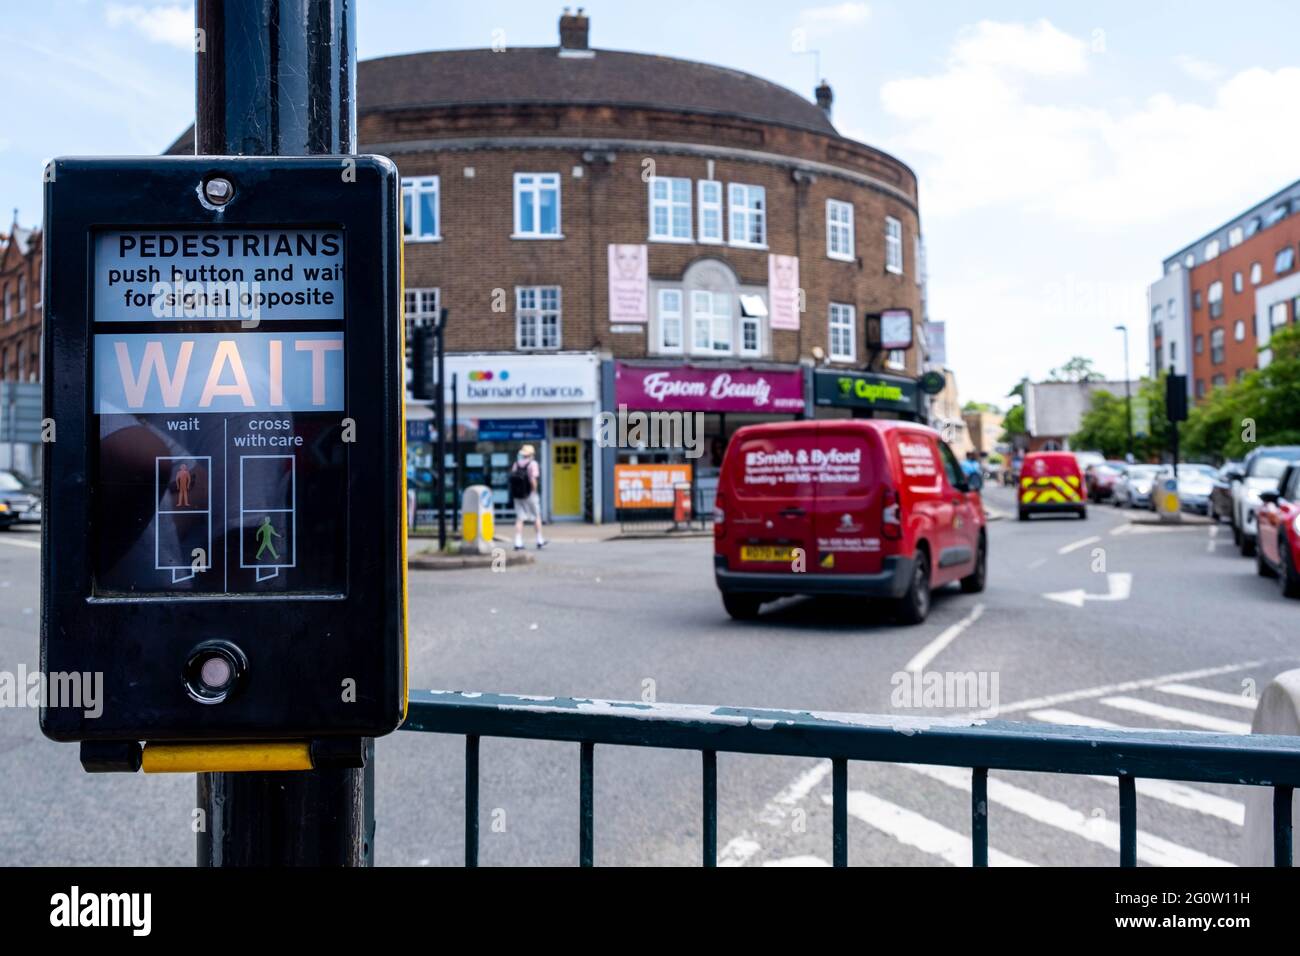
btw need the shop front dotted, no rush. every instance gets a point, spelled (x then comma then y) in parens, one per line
(499, 402)
(701, 407)
(851, 394)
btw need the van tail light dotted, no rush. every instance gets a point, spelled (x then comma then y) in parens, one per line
(719, 518)
(891, 515)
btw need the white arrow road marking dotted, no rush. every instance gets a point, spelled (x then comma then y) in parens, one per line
(1150, 848)
(808, 860)
(912, 829)
(1076, 545)
(950, 634)
(1177, 715)
(1119, 582)
(1209, 695)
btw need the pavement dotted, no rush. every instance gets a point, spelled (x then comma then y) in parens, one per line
(1099, 621)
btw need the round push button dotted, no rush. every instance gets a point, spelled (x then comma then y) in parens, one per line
(213, 671)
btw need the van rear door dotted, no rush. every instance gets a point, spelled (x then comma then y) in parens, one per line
(769, 501)
(847, 474)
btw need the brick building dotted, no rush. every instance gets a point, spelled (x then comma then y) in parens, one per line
(20, 299)
(613, 229)
(1213, 310)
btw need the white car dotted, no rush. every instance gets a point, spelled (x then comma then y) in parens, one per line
(1134, 489)
(1263, 467)
(1195, 483)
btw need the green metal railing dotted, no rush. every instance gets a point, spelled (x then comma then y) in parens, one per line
(982, 745)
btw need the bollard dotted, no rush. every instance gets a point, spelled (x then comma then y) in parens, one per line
(1164, 493)
(478, 524)
(1278, 712)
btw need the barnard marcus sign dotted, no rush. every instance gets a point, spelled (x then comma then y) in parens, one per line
(497, 379)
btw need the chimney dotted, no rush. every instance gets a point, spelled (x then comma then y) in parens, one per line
(573, 30)
(824, 97)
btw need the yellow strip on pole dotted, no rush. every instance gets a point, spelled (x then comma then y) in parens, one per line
(226, 757)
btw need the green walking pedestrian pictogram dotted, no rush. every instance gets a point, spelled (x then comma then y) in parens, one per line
(264, 533)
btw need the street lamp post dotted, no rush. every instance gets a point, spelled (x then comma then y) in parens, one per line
(1128, 390)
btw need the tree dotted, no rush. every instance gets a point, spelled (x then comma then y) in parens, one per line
(1263, 408)
(973, 406)
(1013, 424)
(1104, 426)
(1077, 369)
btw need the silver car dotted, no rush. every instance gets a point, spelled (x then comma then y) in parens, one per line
(1133, 490)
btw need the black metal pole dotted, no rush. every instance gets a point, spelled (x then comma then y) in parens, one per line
(440, 406)
(455, 453)
(277, 77)
(1128, 397)
(1173, 427)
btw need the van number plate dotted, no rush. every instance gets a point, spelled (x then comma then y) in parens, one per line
(765, 553)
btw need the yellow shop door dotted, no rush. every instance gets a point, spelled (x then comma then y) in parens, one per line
(566, 479)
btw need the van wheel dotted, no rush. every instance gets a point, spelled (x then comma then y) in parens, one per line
(1236, 535)
(1287, 577)
(742, 607)
(1022, 515)
(973, 583)
(1083, 512)
(914, 606)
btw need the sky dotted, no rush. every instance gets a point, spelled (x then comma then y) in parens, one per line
(1063, 149)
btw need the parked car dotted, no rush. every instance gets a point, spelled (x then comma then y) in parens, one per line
(1263, 468)
(1278, 529)
(1051, 481)
(18, 504)
(1133, 490)
(1195, 484)
(1087, 459)
(1221, 495)
(1100, 479)
(866, 507)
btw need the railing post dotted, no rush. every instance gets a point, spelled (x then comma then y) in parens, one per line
(840, 811)
(277, 78)
(979, 821)
(586, 809)
(1127, 820)
(1282, 835)
(710, 800)
(471, 800)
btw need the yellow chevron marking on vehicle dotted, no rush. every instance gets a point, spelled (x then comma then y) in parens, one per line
(1049, 490)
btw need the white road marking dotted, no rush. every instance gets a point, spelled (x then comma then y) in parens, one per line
(19, 542)
(914, 830)
(738, 850)
(1118, 583)
(1124, 528)
(1037, 564)
(1076, 545)
(1209, 695)
(1214, 535)
(774, 813)
(1189, 798)
(1177, 715)
(1150, 848)
(797, 861)
(1036, 703)
(1053, 716)
(928, 653)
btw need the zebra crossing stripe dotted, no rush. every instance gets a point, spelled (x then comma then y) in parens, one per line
(912, 829)
(1209, 695)
(1100, 830)
(1177, 715)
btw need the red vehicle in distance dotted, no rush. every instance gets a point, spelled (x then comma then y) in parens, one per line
(864, 507)
(1277, 554)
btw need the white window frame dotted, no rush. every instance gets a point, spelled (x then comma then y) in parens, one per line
(1211, 250)
(1239, 331)
(839, 231)
(1256, 273)
(743, 208)
(1214, 298)
(1238, 282)
(541, 181)
(666, 315)
(713, 321)
(715, 206)
(413, 187)
(1275, 311)
(669, 205)
(536, 313)
(1236, 235)
(1289, 252)
(841, 318)
(893, 245)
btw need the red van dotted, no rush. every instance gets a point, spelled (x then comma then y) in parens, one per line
(1051, 481)
(856, 506)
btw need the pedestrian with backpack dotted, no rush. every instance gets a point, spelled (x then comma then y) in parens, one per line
(524, 475)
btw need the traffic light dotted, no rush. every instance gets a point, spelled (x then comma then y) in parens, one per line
(422, 355)
(1176, 397)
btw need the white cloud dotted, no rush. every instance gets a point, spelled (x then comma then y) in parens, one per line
(1199, 69)
(1007, 124)
(840, 14)
(173, 26)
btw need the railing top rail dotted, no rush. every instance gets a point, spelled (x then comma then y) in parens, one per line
(1255, 759)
